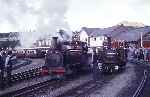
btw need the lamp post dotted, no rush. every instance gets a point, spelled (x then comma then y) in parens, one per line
(141, 40)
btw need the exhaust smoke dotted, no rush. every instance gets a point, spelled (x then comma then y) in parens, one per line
(33, 18)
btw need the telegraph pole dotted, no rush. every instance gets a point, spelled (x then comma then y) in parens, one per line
(141, 40)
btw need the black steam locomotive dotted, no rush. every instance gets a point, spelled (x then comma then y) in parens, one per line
(111, 59)
(67, 57)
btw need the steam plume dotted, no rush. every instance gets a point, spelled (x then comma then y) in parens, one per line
(34, 18)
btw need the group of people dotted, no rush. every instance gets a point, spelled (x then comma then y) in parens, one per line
(5, 68)
(140, 53)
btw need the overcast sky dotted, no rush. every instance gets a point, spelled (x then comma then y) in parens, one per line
(49, 15)
(104, 13)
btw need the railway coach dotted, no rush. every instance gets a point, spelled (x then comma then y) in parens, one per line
(38, 52)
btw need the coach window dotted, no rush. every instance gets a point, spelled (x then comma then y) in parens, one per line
(28, 51)
(32, 52)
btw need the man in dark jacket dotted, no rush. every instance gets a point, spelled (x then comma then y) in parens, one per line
(95, 65)
(1, 72)
(8, 68)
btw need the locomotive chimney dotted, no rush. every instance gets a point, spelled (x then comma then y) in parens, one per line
(54, 42)
(109, 41)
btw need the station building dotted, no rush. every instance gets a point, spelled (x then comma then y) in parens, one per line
(132, 35)
(140, 37)
(10, 39)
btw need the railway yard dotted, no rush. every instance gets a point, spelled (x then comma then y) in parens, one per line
(67, 69)
(132, 82)
(74, 48)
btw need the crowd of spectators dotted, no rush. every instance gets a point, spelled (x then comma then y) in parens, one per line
(140, 53)
(6, 59)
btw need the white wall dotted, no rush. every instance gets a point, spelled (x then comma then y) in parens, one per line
(93, 42)
(96, 41)
(83, 36)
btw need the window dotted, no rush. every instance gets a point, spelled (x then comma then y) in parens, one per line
(28, 51)
(95, 38)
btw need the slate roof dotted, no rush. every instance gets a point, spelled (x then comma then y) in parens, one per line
(97, 31)
(90, 31)
(133, 35)
(111, 31)
(121, 32)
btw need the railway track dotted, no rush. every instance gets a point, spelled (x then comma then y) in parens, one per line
(79, 86)
(81, 90)
(87, 88)
(58, 88)
(141, 85)
(30, 90)
(51, 85)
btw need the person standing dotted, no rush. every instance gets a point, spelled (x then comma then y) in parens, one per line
(95, 65)
(8, 67)
(1, 72)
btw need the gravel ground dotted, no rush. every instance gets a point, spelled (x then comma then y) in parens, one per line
(129, 91)
(136, 79)
(117, 84)
(123, 85)
(49, 92)
(146, 90)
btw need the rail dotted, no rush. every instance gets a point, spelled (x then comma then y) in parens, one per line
(34, 88)
(141, 86)
(56, 87)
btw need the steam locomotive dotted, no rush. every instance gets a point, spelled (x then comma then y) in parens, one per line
(110, 59)
(66, 58)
